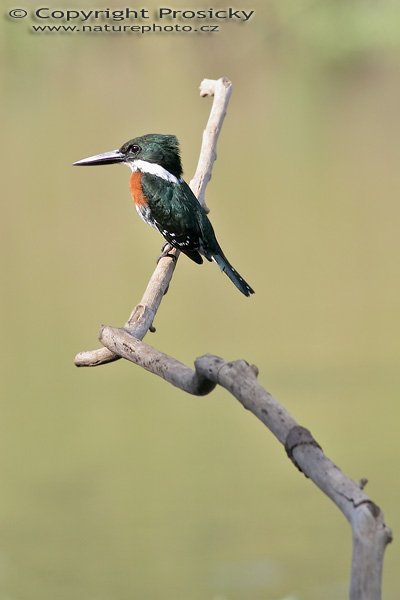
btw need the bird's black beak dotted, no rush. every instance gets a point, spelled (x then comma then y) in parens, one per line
(107, 158)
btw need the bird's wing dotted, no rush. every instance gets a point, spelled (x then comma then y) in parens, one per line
(177, 214)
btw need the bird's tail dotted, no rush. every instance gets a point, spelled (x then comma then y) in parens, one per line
(233, 275)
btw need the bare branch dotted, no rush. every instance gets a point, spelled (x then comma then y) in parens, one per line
(143, 314)
(221, 90)
(370, 534)
(120, 342)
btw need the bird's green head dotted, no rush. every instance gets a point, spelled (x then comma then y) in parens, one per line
(154, 148)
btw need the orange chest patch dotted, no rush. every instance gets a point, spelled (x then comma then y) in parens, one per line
(135, 185)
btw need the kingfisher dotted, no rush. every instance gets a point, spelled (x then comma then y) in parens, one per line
(165, 201)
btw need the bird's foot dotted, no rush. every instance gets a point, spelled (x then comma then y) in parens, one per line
(166, 251)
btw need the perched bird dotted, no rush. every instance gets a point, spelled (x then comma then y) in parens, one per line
(165, 201)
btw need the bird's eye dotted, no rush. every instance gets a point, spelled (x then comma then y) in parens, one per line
(134, 149)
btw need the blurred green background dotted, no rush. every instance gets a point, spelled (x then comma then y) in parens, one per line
(113, 484)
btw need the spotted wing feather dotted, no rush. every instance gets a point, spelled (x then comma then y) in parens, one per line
(177, 214)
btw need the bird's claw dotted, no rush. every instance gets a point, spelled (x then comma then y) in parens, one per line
(165, 252)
